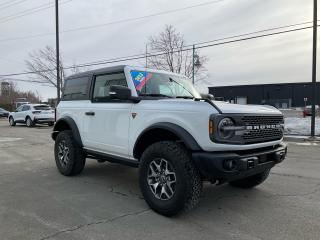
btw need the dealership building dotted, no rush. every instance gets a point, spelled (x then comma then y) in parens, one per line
(281, 95)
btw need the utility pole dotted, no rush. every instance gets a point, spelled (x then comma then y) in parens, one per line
(193, 56)
(57, 51)
(314, 67)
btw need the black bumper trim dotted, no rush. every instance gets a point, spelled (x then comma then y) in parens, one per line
(43, 120)
(212, 165)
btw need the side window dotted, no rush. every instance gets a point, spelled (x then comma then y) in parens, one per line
(19, 109)
(25, 108)
(76, 89)
(103, 83)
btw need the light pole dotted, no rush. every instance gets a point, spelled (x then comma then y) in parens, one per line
(314, 67)
(57, 50)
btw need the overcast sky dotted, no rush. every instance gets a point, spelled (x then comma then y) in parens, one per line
(281, 58)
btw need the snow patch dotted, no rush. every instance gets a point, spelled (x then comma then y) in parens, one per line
(300, 126)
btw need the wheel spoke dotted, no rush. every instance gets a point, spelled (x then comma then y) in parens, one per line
(164, 192)
(153, 171)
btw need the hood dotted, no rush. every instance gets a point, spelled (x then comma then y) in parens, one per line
(253, 109)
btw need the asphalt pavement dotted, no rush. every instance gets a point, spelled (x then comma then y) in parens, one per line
(104, 202)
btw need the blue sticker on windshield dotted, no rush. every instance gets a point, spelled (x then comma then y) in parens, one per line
(140, 78)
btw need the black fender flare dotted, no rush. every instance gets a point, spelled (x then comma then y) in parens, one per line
(180, 132)
(60, 125)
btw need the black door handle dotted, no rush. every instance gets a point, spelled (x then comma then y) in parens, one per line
(90, 113)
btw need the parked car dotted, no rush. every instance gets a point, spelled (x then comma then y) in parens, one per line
(31, 114)
(307, 111)
(3, 113)
(157, 121)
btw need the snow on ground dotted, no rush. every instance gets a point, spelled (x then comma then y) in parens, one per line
(300, 126)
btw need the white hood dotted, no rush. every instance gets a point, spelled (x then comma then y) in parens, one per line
(238, 108)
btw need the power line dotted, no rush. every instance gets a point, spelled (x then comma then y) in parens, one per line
(7, 2)
(142, 17)
(25, 80)
(3, 19)
(113, 22)
(14, 3)
(260, 31)
(143, 55)
(140, 56)
(29, 12)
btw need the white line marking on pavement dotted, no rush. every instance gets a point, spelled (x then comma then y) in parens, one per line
(8, 139)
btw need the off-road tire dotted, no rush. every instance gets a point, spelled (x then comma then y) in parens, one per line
(188, 181)
(252, 181)
(29, 122)
(12, 122)
(76, 160)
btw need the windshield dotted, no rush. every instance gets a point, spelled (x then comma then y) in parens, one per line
(163, 84)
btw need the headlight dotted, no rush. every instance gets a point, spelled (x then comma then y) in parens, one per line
(226, 128)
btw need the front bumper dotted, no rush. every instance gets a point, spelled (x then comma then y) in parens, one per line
(229, 166)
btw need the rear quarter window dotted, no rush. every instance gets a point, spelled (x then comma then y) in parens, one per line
(76, 88)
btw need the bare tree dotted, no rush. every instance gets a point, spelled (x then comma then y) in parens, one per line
(43, 63)
(174, 58)
(12, 93)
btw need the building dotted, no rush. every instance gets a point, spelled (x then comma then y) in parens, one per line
(282, 95)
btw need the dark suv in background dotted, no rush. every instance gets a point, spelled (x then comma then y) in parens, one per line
(3, 113)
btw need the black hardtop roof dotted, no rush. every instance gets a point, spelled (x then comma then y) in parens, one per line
(98, 71)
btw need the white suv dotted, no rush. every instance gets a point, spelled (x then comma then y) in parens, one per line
(157, 121)
(31, 114)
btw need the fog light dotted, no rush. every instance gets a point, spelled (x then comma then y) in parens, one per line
(229, 165)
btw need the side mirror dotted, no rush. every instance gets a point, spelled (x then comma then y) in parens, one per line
(120, 92)
(207, 96)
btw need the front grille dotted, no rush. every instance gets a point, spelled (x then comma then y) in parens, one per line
(262, 120)
(262, 128)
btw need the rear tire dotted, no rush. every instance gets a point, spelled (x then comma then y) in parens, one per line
(29, 122)
(69, 157)
(12, 122)
(169, 180)
(252, 181)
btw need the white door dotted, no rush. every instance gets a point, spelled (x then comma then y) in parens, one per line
(17, 116)
(106, 121)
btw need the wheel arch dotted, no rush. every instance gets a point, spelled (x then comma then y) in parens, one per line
(67, 123)
(162, 132)
(25, 119)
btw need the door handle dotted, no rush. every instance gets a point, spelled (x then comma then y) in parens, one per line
(90, 113)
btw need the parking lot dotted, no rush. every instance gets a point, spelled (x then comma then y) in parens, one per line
(104, 202)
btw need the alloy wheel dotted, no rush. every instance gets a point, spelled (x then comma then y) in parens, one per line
(162, 179)
(11, 121)
(29, 122)
(63, 153)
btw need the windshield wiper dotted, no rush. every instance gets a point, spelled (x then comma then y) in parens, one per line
(181, 85)
(185, 97)
(154, 95)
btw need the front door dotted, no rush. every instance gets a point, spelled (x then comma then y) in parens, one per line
(17, 116)
(106, 121)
